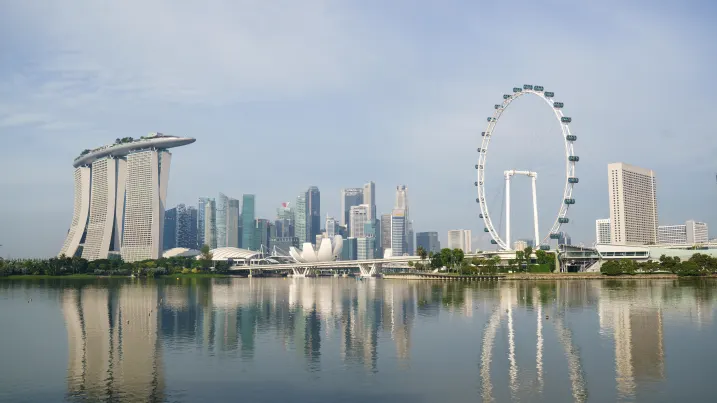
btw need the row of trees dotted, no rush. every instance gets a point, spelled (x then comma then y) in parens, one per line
(63, 265)
(698, 265)
(454, 260)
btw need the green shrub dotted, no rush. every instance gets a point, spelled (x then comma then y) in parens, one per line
(185, 271)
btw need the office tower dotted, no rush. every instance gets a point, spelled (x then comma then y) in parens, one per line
(232, 226)
(170, 229)
(186, 231)
(349, 250)
(247, 218)
(460, 239)
(261, 235)
(378, 249)
(222, 209)
(210, 223)
(349, 197)
(564, 239)
(633, 205)
(301, 215)
(602, 231)
(410, 238)
(120, 193)
(402, 197)
(313, 199)
(386, 231)
(369, 197)
(200, 221)
(398, 232)
(358, 216)
(331, 227)
(285, 220)
(428, 241)
(365, 247)
(690, 233)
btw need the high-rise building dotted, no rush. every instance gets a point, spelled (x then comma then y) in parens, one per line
(331, 227)
(398, 232)
(520, 245)
(170, 229)
(232, 226)
(247, 217)
(369, 197)
(358, 217)
(349, 250)
(313, 199)
(186, 233)
(602, 231)
(120, 196)
(386, 231)
(210, 223)
(410, 238)
(460, 239)
(222, 210)
(633, 205)
(349, 197)
(301, 217)
(200, 221)
(428, 241)
(564, 238)
(402, 197)
(365, 247)
(284, 221)
(261, 234)
(690, 233)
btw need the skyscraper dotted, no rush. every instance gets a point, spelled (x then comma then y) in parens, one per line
(689, 233)
(331, 227)
(210, 223)
(369, 197)
(222, 209)
(428, 241)
(301, 216)
(349, 197)
(358, 217)
(170, 229)
(398, 232)
(460, 239)
(401, 197)
(633, 205)
(313, 199)
(247, 217)
(602, 231)
(365, 247)
(284, 221)
(232, 228)
(120, 196)
(386, 231)
(200, 221)
(186, 233)
(261, 234)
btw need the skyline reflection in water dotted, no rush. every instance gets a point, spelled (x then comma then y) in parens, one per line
(338, 339)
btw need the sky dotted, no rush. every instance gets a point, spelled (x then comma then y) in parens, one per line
(283, 95)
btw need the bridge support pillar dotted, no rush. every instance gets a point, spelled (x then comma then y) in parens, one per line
(303, 271)
(370, 269)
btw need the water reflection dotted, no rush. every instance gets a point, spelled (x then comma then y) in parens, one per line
(529, 339)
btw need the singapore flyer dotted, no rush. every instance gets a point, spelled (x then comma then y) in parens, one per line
(566, 199)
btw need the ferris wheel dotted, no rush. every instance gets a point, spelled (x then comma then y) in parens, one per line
(570, 160)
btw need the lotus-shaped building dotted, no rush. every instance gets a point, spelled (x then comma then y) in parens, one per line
(328, 251)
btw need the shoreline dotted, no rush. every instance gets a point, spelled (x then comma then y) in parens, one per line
(97, 277)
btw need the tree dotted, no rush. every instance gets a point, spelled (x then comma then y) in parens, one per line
(527, 253)
(669, 263)
(649, 267)
(689, 268)
(611, 268)
(421, 253)
(205, 258)
(706, 263)
(519, 257)
(447, 257)
(458, 256)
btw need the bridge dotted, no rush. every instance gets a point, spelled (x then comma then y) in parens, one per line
(368, 267)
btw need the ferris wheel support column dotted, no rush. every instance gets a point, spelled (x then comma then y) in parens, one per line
(535, 211)
(507, 209)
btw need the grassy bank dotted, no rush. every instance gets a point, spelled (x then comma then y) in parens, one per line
(43, 276)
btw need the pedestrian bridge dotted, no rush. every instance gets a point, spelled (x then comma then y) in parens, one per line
(368, 267)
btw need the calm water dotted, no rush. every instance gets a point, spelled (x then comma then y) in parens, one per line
(344, 340)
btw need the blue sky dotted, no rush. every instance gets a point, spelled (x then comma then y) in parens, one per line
(284, 95)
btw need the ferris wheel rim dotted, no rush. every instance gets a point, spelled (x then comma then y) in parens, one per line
(570, 160)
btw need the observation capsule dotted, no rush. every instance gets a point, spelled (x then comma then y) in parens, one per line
(476, 183)
(573, 180)
(506, 96)
(569, 201)
(491, 119)
(544, 247)
(527, 87)
(497, 106)
(517, 89)
(571, 137)
(476, 166)
(485, 230)
(554, 236)
(493, 242)
(563, 220)
(558, 105)
(477, 200)
(566, 119)
(482, 134)
(480, 215)
(549, 94)
(538, 88)
(480, 150)
(573, 158)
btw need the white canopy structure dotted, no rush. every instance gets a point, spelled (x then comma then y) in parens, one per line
(329, 250)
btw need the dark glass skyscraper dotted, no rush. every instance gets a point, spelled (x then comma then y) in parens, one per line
(247, 217)
(169, 239)
(200, 220)
(313, 200)
(186, 224)
(428, 241)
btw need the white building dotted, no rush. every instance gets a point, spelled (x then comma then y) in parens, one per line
(120, 195)
(369, 197)
(331, 226)
(358, 217)
(633, 205)
(602, 231)
(690, 233)
(520, 244)
(398, 232)
(210, 223)
(460, 239)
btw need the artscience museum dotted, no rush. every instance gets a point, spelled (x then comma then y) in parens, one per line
(328, 250)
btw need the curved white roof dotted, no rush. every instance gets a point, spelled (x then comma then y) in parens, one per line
(180, 252)
(232, 253)
(153, 141)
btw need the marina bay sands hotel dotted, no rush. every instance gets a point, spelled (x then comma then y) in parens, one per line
(120, 196)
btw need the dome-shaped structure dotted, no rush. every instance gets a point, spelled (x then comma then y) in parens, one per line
(328, 251)
(180, 252)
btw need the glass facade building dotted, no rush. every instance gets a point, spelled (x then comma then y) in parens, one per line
(247, 218)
